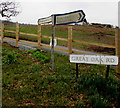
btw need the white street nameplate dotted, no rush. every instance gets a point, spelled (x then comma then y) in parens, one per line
(94, 59)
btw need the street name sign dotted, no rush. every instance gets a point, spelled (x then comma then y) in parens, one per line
(68, 18)
(94, 59)
(45, 20)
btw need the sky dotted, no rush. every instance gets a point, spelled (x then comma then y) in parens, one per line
(96, 11)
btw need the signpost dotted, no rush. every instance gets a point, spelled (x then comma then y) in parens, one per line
(61, 19)
(94, 59)
(52, 47)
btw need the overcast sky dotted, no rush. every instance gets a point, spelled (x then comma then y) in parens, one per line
(96, 11)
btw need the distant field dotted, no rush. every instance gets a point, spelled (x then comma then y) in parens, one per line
(84, 33)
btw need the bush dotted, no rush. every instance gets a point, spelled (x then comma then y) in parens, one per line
(40, 55)
(10, 58)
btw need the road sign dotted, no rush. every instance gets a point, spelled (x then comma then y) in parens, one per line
(55, 42)
(61, 19)
(68, 18)
(94, 59)
(45, 20)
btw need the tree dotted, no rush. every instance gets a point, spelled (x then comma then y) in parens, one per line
(9, 9)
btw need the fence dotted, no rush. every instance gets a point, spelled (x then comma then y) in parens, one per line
(70, 40)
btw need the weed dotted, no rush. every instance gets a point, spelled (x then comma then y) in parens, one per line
(40, 55)
(98, 102)
(42, 58)
(10, 58)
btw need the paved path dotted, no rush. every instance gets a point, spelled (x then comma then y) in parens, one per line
(26, 46)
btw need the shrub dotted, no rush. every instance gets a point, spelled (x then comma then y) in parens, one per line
(10, 58)
(40, 55)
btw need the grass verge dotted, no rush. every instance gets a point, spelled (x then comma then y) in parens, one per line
(28, 81)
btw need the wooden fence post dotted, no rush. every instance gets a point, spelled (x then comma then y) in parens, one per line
(17, 34)
(39, 36)
(2, 32)
(70, 39)
(117, 42)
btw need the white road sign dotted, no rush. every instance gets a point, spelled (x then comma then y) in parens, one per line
(94, 59)
(45, 20)
(55, 42)
(67, 18)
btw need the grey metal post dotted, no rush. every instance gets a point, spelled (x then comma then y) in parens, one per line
(52, 47)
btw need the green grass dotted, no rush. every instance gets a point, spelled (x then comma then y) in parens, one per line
(29, 81)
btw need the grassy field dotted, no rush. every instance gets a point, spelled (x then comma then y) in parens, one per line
(84, 33)
(28, 81)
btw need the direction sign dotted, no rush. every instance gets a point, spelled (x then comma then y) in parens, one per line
(68, 18)
(94, 59)
(45, 20)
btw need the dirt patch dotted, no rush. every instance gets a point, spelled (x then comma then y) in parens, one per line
(104, 50)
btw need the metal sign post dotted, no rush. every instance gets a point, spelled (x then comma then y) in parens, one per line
(61, 19)
(52, 48)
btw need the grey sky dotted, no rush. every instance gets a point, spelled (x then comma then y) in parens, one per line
(96, 11)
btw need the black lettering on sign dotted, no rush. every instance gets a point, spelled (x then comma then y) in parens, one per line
(93, 59)
(110, 60)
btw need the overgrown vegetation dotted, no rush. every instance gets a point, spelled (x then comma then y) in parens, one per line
(40, 55)
(29, 81)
